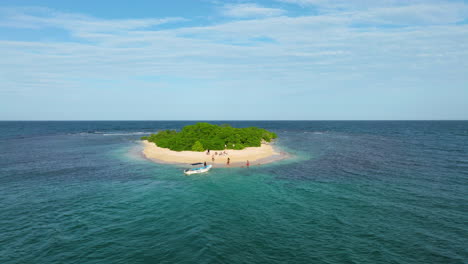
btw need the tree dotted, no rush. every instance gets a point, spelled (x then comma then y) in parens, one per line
(202, 136)
(197, 146)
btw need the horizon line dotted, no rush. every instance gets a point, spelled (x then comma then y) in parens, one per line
(216, 120)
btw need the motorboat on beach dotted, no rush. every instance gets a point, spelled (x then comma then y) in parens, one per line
(198, 169)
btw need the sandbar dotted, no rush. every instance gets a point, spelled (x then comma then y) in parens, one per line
(264, 154)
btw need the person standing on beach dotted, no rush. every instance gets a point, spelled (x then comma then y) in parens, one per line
(212, 158)
(248, 163)
(204, 164)
(228, 161)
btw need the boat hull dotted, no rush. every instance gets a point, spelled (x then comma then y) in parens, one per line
(198, 170)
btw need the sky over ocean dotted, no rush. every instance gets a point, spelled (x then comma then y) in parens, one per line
(225, 60)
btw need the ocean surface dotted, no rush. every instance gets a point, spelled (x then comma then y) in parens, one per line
(354, 192)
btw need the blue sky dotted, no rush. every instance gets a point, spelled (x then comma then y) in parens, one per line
(233, 60)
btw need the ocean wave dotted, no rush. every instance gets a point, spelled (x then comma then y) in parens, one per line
(126, 134)
(315, 132)
(112, 133)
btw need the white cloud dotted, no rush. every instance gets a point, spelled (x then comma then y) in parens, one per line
(44, 17)
(303, 2)
(418, 14)
(250, 10)
(391, 12)
(354, 4)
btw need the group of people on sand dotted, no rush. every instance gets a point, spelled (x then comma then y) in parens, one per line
(228, 162)
(224, 153)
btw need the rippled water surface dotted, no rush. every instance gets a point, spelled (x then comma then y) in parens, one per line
(355, 192)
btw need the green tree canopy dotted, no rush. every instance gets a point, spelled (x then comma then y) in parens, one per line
(203, 136)
(197, 146)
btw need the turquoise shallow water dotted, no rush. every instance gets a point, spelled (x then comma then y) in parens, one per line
(356, 192)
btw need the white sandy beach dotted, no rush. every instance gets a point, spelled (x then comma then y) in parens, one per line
(255, 155)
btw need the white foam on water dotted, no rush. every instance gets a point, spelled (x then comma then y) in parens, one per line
(126, 134)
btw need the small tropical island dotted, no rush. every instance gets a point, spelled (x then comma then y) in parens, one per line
(218, 145)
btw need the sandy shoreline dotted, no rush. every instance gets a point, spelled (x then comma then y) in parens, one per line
(255, 155)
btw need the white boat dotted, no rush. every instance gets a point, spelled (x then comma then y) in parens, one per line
(198, 170)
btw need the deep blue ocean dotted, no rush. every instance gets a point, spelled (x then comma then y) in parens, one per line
(353, 192)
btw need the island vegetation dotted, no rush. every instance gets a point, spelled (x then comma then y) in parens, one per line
(204, 136)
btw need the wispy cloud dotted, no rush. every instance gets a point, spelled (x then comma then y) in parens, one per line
(391, 12)
(123, 46)
(303, 2)
(359, 4)
(250, 10)
(412, 15)
(35, 17)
